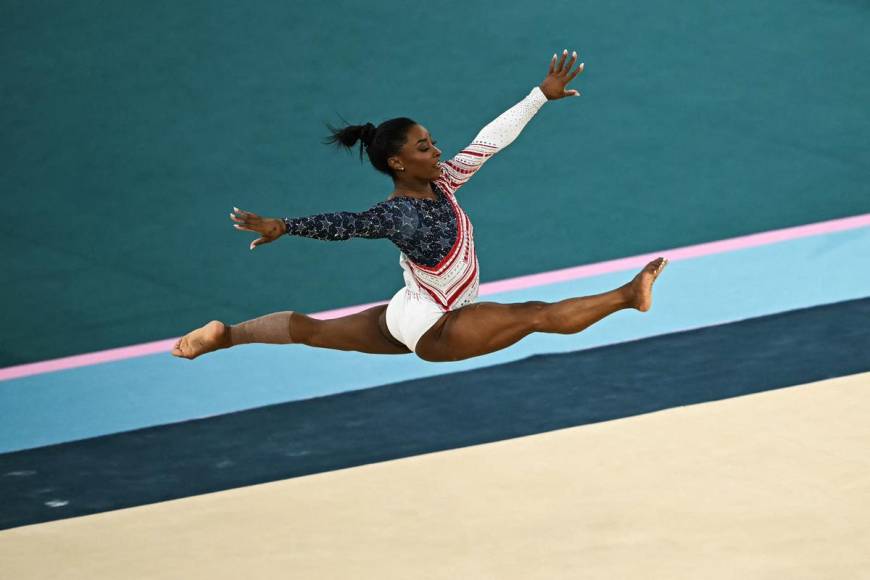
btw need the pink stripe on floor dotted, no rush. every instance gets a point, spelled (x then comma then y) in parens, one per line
(685, 253)
(521, 282)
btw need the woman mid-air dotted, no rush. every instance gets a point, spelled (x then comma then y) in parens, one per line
(436, 314)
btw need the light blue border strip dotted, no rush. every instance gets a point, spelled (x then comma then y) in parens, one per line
(130, 394)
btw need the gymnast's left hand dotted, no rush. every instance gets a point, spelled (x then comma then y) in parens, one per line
(559, 76)
(270, 229)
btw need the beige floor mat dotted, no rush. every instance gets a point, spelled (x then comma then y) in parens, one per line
(773, 485)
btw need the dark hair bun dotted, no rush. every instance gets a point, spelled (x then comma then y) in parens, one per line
(367, 134)
(391, 137)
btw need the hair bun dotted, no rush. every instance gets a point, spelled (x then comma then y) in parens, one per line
(367, 135)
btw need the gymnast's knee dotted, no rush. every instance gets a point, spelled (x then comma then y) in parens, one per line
(304, 329)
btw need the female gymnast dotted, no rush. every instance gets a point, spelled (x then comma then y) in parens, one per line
(436, 313)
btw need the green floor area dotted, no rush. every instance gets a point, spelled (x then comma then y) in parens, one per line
(128, 133)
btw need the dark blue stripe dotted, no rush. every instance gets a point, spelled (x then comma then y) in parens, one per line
(533, 395)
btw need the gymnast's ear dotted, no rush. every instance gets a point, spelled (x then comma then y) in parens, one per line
(395, 164)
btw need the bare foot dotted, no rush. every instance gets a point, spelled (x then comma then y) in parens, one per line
(211, 337)
(639, 290)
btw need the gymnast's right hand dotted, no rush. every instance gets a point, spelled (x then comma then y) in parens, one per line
(270, 229)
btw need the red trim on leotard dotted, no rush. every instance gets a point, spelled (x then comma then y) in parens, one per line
(451, 302)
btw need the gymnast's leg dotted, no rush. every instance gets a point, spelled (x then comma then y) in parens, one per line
(364, 332)
(486, 327)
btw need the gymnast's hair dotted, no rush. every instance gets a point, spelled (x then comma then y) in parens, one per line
(380, 143)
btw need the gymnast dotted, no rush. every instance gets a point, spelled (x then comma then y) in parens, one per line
(436, 314)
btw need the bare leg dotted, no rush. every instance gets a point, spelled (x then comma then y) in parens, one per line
(486, 327)
(364, 332)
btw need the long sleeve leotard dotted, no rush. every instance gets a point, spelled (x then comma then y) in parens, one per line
(423, 229)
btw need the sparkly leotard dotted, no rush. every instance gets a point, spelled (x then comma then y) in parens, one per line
(435, 236)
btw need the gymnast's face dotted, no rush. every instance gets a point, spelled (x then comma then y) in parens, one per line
(418, 156)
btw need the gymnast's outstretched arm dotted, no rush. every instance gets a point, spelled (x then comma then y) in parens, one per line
(504, 129)
(383, 220)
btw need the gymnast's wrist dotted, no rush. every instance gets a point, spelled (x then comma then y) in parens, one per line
(538, 96)
(286, 222)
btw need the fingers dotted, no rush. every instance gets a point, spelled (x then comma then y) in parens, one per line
(570, 63)
(244, 215)
(576, 72)
(250, 222)
(246, 222)
(562, 61)
(563, 69)
(245, 218)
